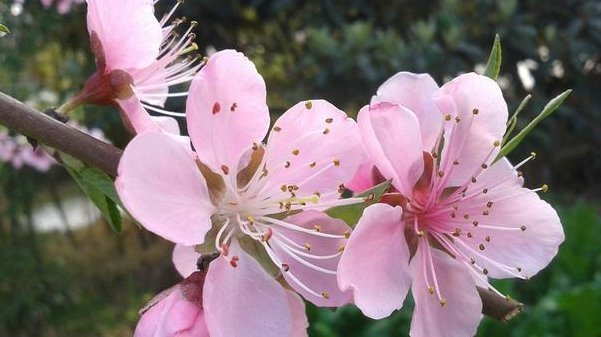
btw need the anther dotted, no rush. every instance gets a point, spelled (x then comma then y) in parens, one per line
(267, 235)
(484, 271)
(307, 246)
(484, 166)
(326, 131)
(482, 247)
(341, 249)
(453, 215)
(544, 188)
(295, 152)
(420, 233)
(216, 108)
(484, 191)
(447, 118)
(443, 302)
(486, 212)
(225, 169)
(255, 147)
(440, 174)
(325, 295)
(287, 164)
(233, 107)
(285, 267)
(347, 234)
(277, 129)
(431, 290)
(336, 162)
(475, 223)
(234, 261)
(251, 219)
(474, 180)
(317, 228)
(312, 165)
(475, 111)
(496, 143)
(472, 260)
(457, 119)
(308, 104)
(487, 238)
(489, 204)
(456, 162)
(283, 188)
(457, 232)
(193, 24)
(341, 188)
(469, 235)
(329, 120)
(519, 269)
(523, 228)
(466, 216)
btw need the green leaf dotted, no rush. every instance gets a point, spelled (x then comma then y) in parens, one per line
(351, 213)
(4, 29)
(547, 110)
(493, 66)
(514, 118)
(99, 187)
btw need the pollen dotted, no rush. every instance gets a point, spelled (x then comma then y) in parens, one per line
(329, 120)
(296, 152)
(308, 105)
(216, 108)
(225, 169)
(457, 232)
(314, 198)
(341, 188)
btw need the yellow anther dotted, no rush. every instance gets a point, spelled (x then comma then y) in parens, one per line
(497, 143)
(277, 129)
(443, 302)
(295, 152)
(336, 162)
(325, 295)
(431, 290)
(307, 246)
(544, 188)
(317, 228)
(347, 234)
(448, 118)
(308, 104)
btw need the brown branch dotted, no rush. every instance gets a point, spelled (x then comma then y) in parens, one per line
(64, 138)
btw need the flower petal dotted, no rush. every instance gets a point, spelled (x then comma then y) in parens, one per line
(375, 262)
(184, 259)
(364, 178)
(415, 92)
(299, 317)
(520, 234)
(244, 301)
(134, 116)
(226, 110)
(315, 146)
(324, 284)
(392, 139)
(460, 315)
(478, 119)
(108, 19)
(161, 187)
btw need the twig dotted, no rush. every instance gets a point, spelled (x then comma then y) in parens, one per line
(31, 123)
(64, 138)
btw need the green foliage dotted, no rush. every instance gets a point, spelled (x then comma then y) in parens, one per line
(4, 29)
(351, 213)
(99, 187)
(493, 66)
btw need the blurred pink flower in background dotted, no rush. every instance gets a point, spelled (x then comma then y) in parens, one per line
(138, 58)
(62, 6)
(460, 216)
(262, 203)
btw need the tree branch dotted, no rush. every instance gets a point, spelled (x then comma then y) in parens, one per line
(64, 138)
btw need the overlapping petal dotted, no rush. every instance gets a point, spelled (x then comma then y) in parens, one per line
(391, 136)
(375, 262)
(460, 315)
(184, 259)
(226, 110)
(161, 187)
(244, 301)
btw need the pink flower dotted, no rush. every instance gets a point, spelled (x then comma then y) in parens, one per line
(176, 311)
(137, 59)
(461, 218)
(260, 204)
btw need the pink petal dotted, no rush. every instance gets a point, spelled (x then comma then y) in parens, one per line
(315, 146)
(135, 117)
(392, 139)
(363, 178)
(460, 316)
(244, 301)
(375, 262)
(508, 250)
(109, 19)
(161, 187)
(226, 110)
(470, 141)
(299, 318)
(184, 259)
(315, 280)
(167, 124)
(415, 92)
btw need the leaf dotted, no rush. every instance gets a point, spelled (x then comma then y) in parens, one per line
(99, 187)
(547, 110)
(351, 213)
(514, 118)
(493, 66)
(4, 29)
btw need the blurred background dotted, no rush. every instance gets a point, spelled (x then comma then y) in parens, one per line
(65, 272)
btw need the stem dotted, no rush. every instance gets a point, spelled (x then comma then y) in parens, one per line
(64, 138)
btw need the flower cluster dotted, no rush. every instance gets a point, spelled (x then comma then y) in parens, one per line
(246, 200)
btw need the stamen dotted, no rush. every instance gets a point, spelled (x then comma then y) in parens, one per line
(529, 158)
